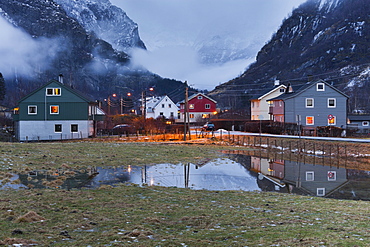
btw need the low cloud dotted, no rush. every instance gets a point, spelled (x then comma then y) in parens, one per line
(183, 63)
(21, 54)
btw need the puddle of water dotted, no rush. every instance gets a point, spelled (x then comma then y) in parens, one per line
(236, 172)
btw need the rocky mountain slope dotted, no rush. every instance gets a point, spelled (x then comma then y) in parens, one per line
(86, 40)
(322, 39)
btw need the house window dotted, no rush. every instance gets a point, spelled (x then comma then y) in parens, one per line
(32, 109)
(53, 91)
(169, 105)
(191, 115)
(54, 109)
(309, 103)
(320, 87)
(191, 106)
(332, 175)
(162, 105)
(74, 127)
(365, 123)
(206, 115)
(320, 192)
(282, 90)
(332, 103)
(161, 114)
(208, 106)
(171, 114)
(200, 97)
(310, 120)
(58, 128)
(310, 176)
(331, 120)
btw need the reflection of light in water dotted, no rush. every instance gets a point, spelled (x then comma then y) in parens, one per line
(129, 169)
(151, 182)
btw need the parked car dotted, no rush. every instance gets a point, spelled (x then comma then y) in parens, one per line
(208, 127)
(123, 129)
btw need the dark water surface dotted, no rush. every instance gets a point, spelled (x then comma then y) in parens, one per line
(233, 172)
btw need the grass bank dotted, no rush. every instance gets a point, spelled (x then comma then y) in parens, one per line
(129, 215)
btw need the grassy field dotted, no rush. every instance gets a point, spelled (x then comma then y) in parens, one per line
(130, 215)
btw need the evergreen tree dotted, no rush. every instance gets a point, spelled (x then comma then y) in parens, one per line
(2, 87)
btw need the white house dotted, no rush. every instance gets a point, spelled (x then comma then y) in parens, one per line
(161, 107)
(260, 105)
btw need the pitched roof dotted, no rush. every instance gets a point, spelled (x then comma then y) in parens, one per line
(196, 94)
(304, 87)
(268, 91)
(61, 85)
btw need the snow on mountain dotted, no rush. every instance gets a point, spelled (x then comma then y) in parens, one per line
(107, 21)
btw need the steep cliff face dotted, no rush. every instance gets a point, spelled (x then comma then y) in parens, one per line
(322, 39)
(107, 21)
(85, 40)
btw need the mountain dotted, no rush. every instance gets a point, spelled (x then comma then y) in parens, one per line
(322, 39)
(85, 40)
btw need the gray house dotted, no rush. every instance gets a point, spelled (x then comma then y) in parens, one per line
(359, 123)
(311, 104)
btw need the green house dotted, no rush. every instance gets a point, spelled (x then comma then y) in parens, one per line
(54, 112)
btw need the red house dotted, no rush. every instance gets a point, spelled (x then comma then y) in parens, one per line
(200, 108)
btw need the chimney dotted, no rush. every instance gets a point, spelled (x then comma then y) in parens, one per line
(60, 78)
(277, 83)
(289, 89)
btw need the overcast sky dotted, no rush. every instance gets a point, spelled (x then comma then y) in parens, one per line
(173, 29)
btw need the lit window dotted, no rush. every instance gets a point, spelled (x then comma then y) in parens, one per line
(331, 120)
(332, 103)
(320, 87)
(310, 176)
(320, 192)
(74, 127)
(191, 115)
(206, 115)
(32, 109)
(191, 106)
(332, 175)
(54, 109)
(58, 128)
(309, 103)
(53, 91)
(310, 120)
(208, 106)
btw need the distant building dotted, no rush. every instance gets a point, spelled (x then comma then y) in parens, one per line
(200, 108)
(260, 105)
(312, 104)
(161, 107)
(360, 123)
(54, 112)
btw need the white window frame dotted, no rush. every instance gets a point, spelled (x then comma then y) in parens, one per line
(61, 128)
(207, 106)
(332, 176)
(54, 113)
(320, 89)
(310, 176)
(313, 120)
(191, 106)
(32, 113)
(72, 129)
(335, 102)
(313, 103)
(320, 191)
(200, 97)
(365, 123)
(56, 91)
(335, 121)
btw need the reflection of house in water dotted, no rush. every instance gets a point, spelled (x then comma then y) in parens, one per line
(313, 179)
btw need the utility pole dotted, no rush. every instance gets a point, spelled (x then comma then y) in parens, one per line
(185, 110)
